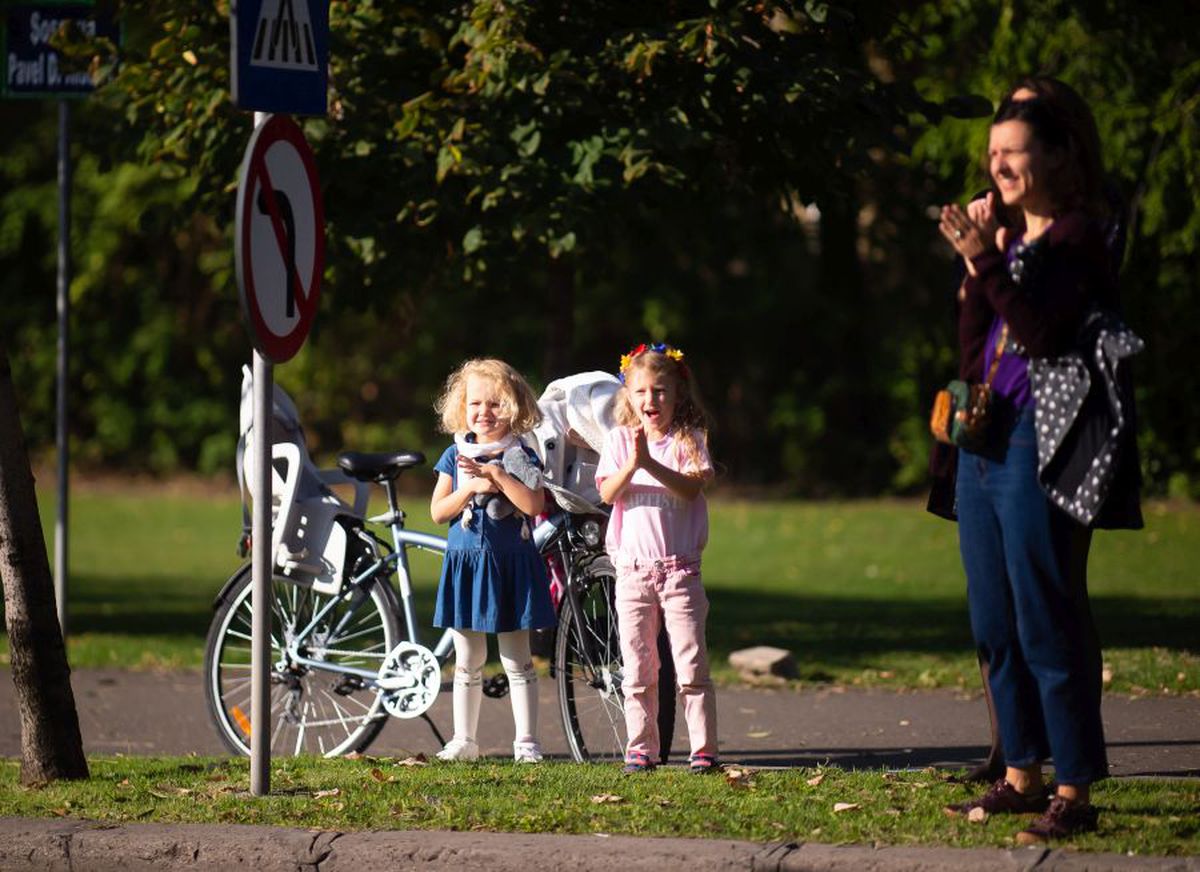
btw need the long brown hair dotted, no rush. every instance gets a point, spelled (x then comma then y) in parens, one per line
(691, 421)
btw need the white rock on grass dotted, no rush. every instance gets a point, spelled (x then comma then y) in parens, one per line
(764, 660)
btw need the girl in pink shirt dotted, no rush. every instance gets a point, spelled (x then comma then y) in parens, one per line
(652, 471)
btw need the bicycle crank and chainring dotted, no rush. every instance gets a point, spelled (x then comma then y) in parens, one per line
(409, 680)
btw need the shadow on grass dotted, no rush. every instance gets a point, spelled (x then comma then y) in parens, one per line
(853, 632)
(849, 632)
(147, 605)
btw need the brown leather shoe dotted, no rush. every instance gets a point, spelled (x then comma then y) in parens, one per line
(1002, 798)
(1062, 820)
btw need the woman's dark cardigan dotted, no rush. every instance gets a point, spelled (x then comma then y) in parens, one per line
(1073, 275)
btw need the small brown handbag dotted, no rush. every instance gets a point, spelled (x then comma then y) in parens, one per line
(961, 411)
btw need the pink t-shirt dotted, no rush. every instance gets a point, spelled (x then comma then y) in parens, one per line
(649, 520)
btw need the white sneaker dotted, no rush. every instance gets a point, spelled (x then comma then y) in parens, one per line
(527, 752)
(459, 750)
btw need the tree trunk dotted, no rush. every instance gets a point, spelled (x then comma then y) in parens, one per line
(559, 317)
(51, 747)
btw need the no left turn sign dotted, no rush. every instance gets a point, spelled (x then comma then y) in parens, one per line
(279, 245)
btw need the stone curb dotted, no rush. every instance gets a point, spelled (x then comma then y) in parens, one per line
(65, 844)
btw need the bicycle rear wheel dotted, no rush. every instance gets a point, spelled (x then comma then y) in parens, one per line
(312, 711)
(587, 663)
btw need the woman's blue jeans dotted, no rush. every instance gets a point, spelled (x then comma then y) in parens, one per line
(1026, 565)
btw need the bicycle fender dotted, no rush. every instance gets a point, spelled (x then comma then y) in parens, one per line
(229, 585)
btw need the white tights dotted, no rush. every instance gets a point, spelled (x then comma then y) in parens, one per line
(470, 653)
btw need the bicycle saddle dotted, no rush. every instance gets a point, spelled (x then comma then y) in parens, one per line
(381, 466)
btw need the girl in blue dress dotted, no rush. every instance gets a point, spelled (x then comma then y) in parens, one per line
(493, 579)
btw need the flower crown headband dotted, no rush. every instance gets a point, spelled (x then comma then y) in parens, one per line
(659, 347)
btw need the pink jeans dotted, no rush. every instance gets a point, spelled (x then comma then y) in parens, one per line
(651, 593)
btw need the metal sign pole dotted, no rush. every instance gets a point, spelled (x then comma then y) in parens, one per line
(261, 564)
(64, 303)
(260, 627)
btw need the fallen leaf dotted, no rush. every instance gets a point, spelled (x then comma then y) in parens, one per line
(977, 815)
(815, 780)
(320, 794)
(905, 723)
(759, 734)
(418, 760)
(378, 775)
(839, 807)
(738, 777)
(606, 797)
(354, 755)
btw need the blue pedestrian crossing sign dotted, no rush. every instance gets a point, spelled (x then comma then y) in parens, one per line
(280, 55)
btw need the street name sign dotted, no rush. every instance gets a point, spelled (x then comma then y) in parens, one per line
(279, 238)
(31, 67)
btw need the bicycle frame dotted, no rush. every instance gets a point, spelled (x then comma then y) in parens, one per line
(397, 562)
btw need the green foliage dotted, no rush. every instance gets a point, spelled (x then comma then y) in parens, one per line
(609, 165)
(552, 183)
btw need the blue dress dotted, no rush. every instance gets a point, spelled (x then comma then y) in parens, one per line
(492, 581)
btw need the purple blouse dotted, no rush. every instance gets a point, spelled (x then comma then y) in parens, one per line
(1012, 375)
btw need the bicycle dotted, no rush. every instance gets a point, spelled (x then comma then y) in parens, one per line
(346, 654)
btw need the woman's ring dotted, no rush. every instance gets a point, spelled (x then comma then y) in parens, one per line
(958, 234)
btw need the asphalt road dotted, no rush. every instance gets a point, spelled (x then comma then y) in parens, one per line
(164, 713)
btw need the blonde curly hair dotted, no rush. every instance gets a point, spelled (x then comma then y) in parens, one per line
(518, 405)
(690, 422)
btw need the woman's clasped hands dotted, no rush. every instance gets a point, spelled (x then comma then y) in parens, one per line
(974, 230)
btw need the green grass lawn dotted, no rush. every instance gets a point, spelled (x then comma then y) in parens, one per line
(867, 592)
(902, 808)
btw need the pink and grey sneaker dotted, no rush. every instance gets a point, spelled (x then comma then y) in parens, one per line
(635, 762)
(702, 764)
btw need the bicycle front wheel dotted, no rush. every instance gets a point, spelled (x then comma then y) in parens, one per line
(313, 711)
(587, 663)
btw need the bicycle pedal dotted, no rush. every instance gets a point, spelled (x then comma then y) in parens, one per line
(496, 687)
(351, 684)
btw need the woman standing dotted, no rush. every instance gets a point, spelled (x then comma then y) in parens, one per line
(988, 211)
(1028, 297)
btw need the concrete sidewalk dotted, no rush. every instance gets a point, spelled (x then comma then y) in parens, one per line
(164, 713)
(81, 845)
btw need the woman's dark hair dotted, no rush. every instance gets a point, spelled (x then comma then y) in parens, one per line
(1062, 121)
